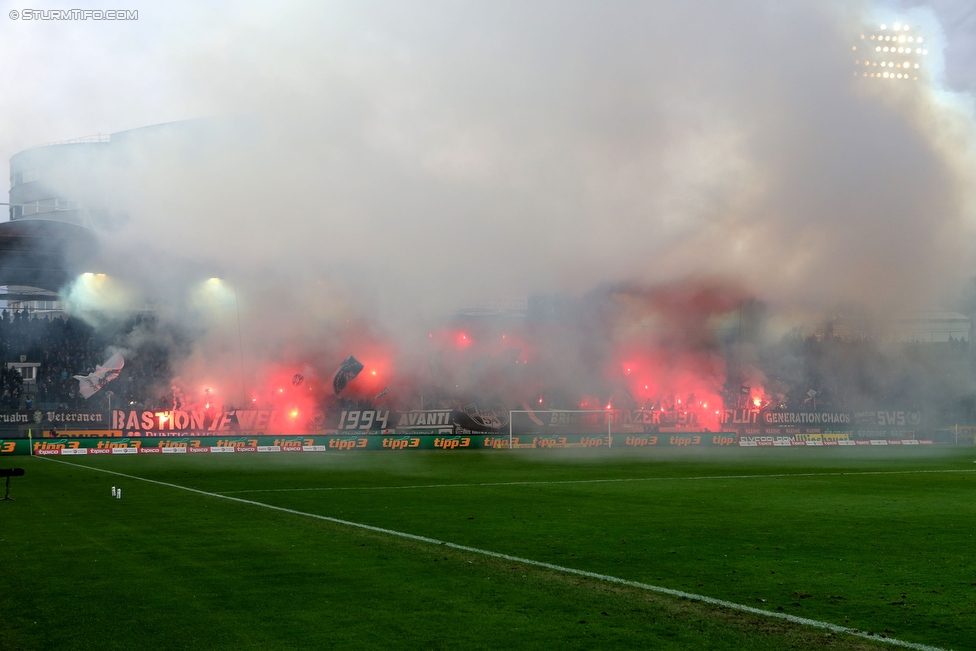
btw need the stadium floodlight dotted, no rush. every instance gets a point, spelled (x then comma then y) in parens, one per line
(891, 44)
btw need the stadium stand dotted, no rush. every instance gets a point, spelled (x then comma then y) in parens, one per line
(67, 346)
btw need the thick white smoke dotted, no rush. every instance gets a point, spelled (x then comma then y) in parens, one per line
(427, 155)
(390, 163)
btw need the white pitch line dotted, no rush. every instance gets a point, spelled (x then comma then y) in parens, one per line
(590, 481)
(527, 561)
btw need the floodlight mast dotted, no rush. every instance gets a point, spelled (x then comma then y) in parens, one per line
(216, 280)
(878, 48)
(240, 343)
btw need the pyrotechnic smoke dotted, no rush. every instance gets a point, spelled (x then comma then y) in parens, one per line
(389, 164)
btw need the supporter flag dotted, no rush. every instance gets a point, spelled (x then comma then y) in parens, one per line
(89, 384)
(382, 393)
(348, 370)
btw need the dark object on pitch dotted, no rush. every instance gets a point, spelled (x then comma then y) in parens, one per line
(8, 473)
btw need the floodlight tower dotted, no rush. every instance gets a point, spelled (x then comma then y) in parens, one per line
(891, 52)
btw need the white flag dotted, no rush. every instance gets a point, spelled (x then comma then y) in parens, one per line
(103, 374)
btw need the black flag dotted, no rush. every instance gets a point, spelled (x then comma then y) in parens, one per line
(348, 370)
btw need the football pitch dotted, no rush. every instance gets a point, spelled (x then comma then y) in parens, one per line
(522, 549)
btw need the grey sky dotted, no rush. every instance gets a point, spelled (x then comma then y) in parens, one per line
(958, 18)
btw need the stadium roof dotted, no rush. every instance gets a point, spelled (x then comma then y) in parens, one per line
(44, 254)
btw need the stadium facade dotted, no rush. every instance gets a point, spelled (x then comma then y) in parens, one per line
(62, 197)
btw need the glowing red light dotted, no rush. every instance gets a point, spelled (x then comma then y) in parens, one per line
(294, 413)
(374, 372)
(281, 390)
(540, 401)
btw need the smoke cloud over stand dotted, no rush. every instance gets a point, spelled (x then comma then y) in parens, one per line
(383, 166)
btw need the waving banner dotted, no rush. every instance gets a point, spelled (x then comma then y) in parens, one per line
(89, 384)
(348, 371)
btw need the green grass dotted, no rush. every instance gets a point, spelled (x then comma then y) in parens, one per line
(170, 569)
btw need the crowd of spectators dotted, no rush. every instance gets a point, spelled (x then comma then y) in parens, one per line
(66, 346)
(802, 373)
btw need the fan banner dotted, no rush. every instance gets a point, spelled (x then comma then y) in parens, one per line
(89, 385)
(59, 418)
